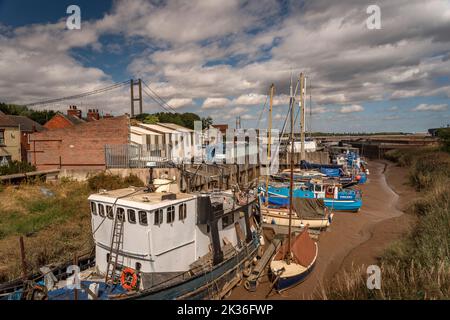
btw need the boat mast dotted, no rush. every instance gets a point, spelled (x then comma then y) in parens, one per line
(302, 116)
(272, 90)
(291, 185)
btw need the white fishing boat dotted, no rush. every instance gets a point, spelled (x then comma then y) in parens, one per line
(158, 245)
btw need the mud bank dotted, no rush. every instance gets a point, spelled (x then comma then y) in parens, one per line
(355, 239)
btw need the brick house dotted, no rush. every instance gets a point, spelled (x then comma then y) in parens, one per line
(26, 127)
(59, 120)
(79, 146)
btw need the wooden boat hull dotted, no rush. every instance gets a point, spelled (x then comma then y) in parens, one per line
(289, 281)
(283, 220)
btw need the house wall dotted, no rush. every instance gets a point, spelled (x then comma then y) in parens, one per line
(11, 147)
(78, 147)
(58, 122)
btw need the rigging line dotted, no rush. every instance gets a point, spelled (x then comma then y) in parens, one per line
(159, 97)
(155, 100)
(81, 95)
(262, 111)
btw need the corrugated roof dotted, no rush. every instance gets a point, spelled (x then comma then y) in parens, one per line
(175, 127)
(139, 130)
(158, 128)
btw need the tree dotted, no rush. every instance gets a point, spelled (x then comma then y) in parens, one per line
(40, 117)
(206, 122)
(150, 119)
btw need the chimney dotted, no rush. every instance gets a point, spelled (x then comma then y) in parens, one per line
(73, 111)
(93, 115)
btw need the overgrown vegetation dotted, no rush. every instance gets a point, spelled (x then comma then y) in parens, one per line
(40, 116)
(54, 219)
(16, 167)
(418, 266)
(444, 136)
(110, 181)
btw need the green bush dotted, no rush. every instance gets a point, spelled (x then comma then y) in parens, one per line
(16, 167)
(444, 136)
(110, 181)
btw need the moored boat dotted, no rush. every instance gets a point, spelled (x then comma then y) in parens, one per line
(160, 245)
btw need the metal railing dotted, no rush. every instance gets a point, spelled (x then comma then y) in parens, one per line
(137, 156)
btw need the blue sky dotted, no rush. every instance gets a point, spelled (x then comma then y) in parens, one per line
(219, 58)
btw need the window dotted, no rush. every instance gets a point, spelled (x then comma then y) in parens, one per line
(227, 220)
(93, 208)
(121, 214)
(182, 211)
(2, 137)
(101, 210)
(143, 218)
(170, 214)
(131, 216)
(159, 216)
(109, 212)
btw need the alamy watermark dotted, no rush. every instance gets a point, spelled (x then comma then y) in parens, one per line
(373, 277)
(373, 22)
(73, 21)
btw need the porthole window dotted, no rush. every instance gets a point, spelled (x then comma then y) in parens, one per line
(159, 216)
(121, 214)
(143, 218)
(170, 214)
(93, 208)
(101, 210)
(131, 216)
(182, 212)
(109, 212)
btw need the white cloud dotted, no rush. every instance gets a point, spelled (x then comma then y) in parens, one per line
(431, 107)
(351, 109)
(248, 117)
(250, 99)
(190, 46)
(177, 103)
(213, 103)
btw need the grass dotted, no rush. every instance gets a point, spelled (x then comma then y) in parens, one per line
(417, 266)
(53, 218)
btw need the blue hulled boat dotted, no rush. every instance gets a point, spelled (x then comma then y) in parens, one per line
(334, 196)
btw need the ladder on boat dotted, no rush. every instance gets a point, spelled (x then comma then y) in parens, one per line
(116, 243)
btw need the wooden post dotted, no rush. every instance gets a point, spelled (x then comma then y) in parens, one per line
(22, 257)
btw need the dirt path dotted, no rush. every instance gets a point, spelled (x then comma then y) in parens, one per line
(355, 238)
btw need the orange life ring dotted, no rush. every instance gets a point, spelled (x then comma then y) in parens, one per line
(129, 279)
(329, 193)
